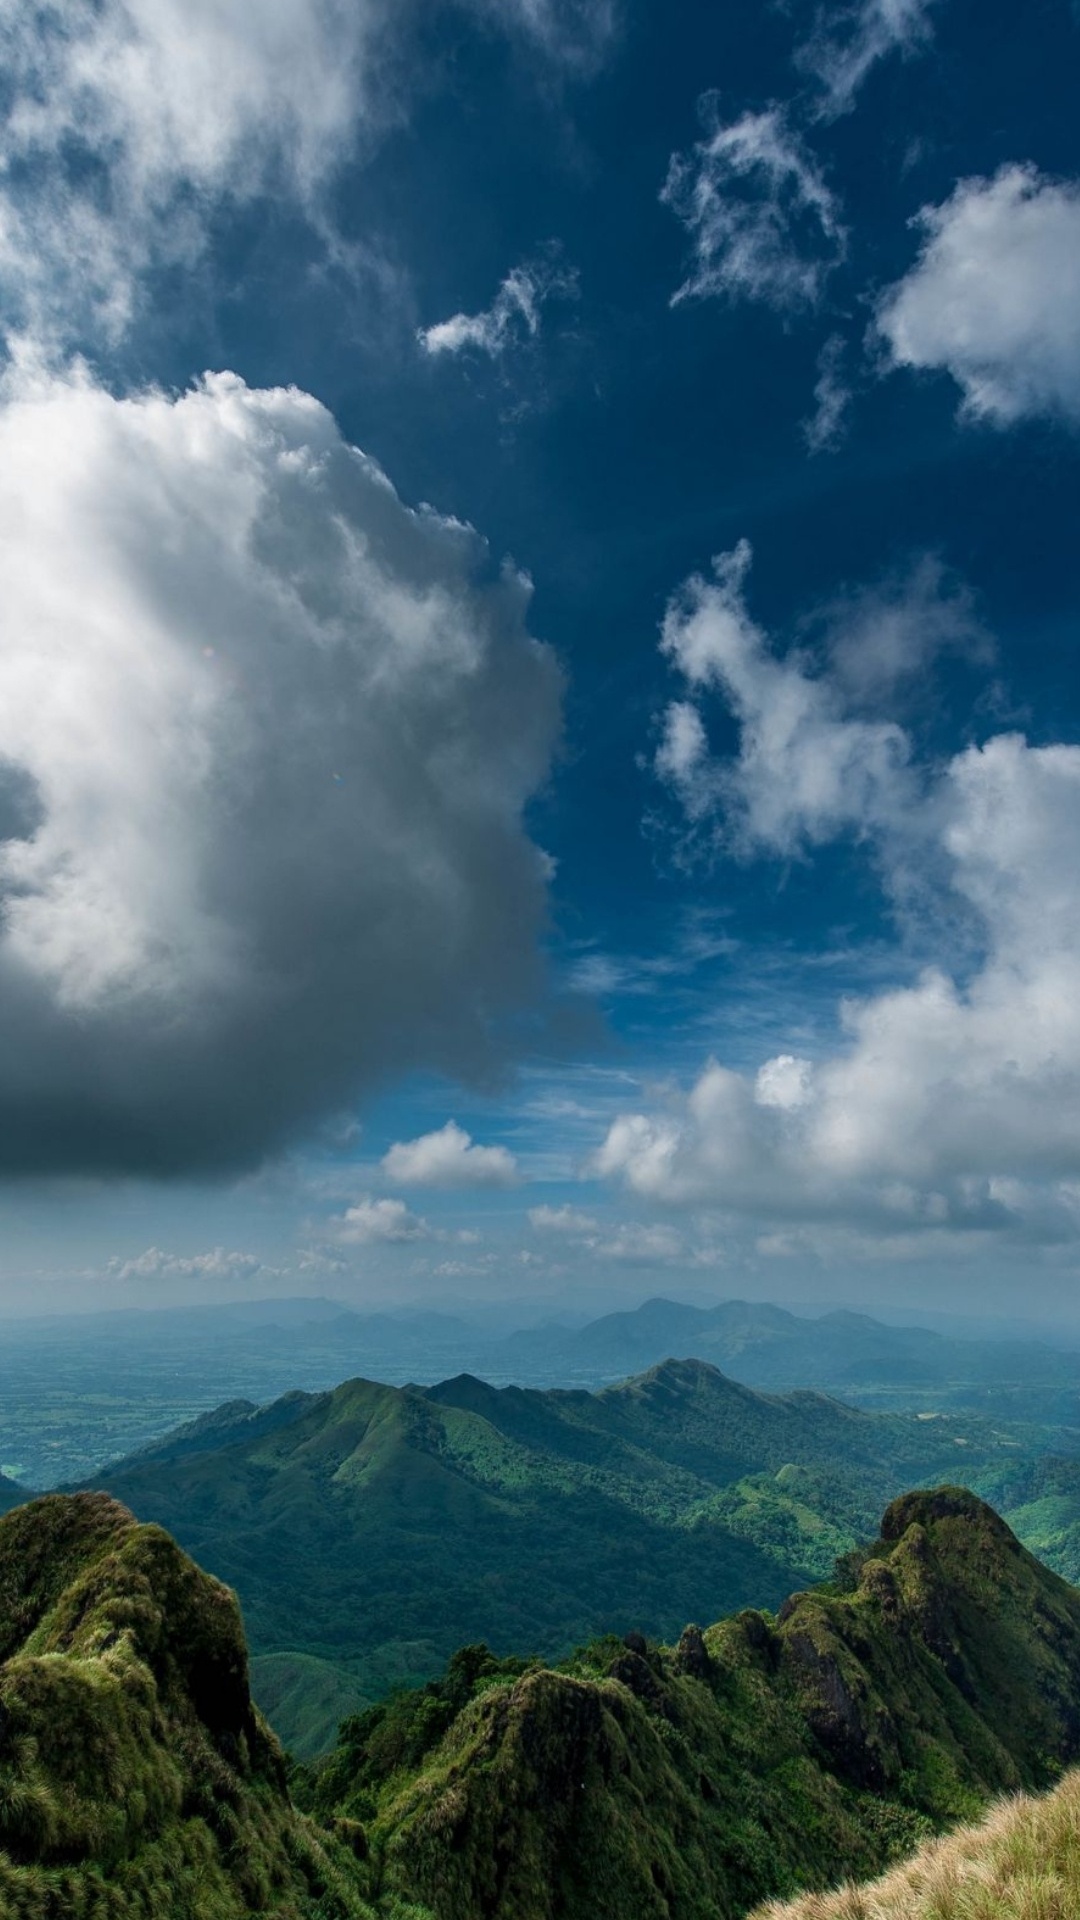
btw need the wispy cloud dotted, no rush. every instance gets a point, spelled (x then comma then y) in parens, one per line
(848, 41)
(219, 1264)
(764, 223)
(513, 316)
(827, 425)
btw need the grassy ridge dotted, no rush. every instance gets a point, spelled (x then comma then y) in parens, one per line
(1021, 1863)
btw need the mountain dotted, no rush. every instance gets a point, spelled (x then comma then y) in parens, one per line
(842, 1352)
(763, 1756)
(371, 1530)
(1020, 1863)
(760, 1758)
(81, 1391)
(136, 1778)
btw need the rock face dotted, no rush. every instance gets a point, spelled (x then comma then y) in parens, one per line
(136, 1778)
(762, 1756)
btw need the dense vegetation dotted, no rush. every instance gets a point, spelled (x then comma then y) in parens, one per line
(765, 1756)
(372, 1530)
(136, 1780)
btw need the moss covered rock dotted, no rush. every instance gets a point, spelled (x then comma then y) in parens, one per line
(136, 1778)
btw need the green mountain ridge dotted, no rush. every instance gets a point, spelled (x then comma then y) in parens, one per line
(766, 1754)
(371, 1530)
(763, 1756)
(77, 1392)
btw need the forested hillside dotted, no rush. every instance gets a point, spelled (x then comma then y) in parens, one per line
(372, 1530)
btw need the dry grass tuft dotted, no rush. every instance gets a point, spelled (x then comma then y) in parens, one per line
(1021, 1863)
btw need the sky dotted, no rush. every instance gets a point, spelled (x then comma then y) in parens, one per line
(539, 734)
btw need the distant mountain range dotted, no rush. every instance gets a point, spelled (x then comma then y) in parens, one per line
(77, 1393)
(371, 1530)
(756, 1758)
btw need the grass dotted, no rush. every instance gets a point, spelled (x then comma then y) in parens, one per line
(1022, 1862)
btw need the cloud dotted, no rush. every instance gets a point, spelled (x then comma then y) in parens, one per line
(219, 1264)
(575, 33)
(379, 1222)
(849, 40)
(994, 297)
(764, 223)
(641, 1244)
(128, 121)
(827, 425)
(514, 314)
(562, 1220)
(805, 770)
(126, 118)
(881, 639)
(448, 1158)
(948, 1105)
(269, 736)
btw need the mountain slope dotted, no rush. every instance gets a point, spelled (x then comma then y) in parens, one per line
(766, 1755)
(136, 1779)
(1021, 1863)
(374, 1529)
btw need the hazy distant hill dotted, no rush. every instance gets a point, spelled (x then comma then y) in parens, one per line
(842, 1352)
(371, 1530)
(78, 1392)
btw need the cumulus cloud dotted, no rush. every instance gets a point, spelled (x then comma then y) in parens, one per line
(994, 297)
(514, 314)
(570, 1220)
(127, 121)
(948, 1104)
(380, 1222)
(806, 770)
(764, 223)
(449, 1158)
(848, 41)
(267, 735)
(218, 1264)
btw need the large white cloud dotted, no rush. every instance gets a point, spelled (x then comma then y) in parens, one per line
(764, 223)
(265, 740)
(994, 297)
(449, 1158)
(951, 1102)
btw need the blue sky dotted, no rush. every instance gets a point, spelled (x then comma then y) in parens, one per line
(618, 832)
